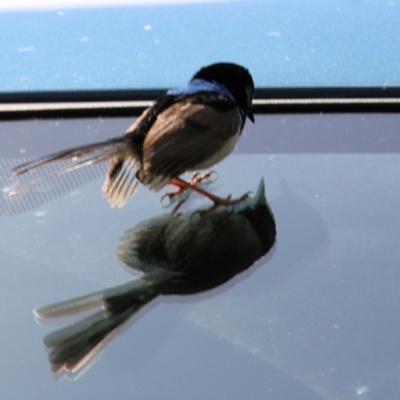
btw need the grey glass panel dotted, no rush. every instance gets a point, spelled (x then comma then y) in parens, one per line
(316, 319)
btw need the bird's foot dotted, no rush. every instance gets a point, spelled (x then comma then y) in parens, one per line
(226, 202)
(203, 180)
(217, 201)
(183, 192)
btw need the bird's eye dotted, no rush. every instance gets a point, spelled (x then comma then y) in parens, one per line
(249, 95)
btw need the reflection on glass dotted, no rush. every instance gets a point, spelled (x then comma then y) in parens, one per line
(182, 253)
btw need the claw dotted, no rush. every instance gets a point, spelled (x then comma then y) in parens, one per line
(198, 180)
(194, 177)
(223, 202)
(245, 196)
(218, 201)
(180, 195)
(173, 197)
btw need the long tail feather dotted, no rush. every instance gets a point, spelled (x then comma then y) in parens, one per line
(73, 346)
(120, 183)
(60, 171)
(109, 146)
(74, 352)
(70, 307)
(44, 192)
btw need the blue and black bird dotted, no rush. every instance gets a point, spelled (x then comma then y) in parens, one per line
(187, 129)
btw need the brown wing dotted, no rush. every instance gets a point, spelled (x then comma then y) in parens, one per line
(138, 120)
(186, 137)
(121, 182)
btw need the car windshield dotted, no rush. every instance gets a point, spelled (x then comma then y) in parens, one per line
(314, 318)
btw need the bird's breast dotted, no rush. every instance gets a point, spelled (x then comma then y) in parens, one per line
(223, 152)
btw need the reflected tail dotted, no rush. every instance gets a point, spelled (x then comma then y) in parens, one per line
(74, 348)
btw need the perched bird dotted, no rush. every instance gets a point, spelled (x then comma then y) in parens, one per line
(188, 129)
(183, 254)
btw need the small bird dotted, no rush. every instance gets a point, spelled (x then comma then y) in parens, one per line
(180, 254)
(187, 129)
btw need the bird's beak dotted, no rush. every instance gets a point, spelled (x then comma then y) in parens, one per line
(250, 115)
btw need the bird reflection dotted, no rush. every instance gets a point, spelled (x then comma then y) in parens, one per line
(177, 253)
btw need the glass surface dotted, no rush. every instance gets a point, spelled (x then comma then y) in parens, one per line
(287, 43)
(316, 319)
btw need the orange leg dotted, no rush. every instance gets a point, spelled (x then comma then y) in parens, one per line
(195, 180)
(218, 201)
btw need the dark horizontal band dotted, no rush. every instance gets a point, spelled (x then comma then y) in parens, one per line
(76, 104)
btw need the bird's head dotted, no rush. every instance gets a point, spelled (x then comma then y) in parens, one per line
(236, 79)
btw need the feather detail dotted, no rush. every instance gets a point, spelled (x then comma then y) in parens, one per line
(69, 307)
(74, 346)
(90, 155)
(120, 184)
(187, 137)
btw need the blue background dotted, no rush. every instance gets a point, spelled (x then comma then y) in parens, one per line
(284, 44)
